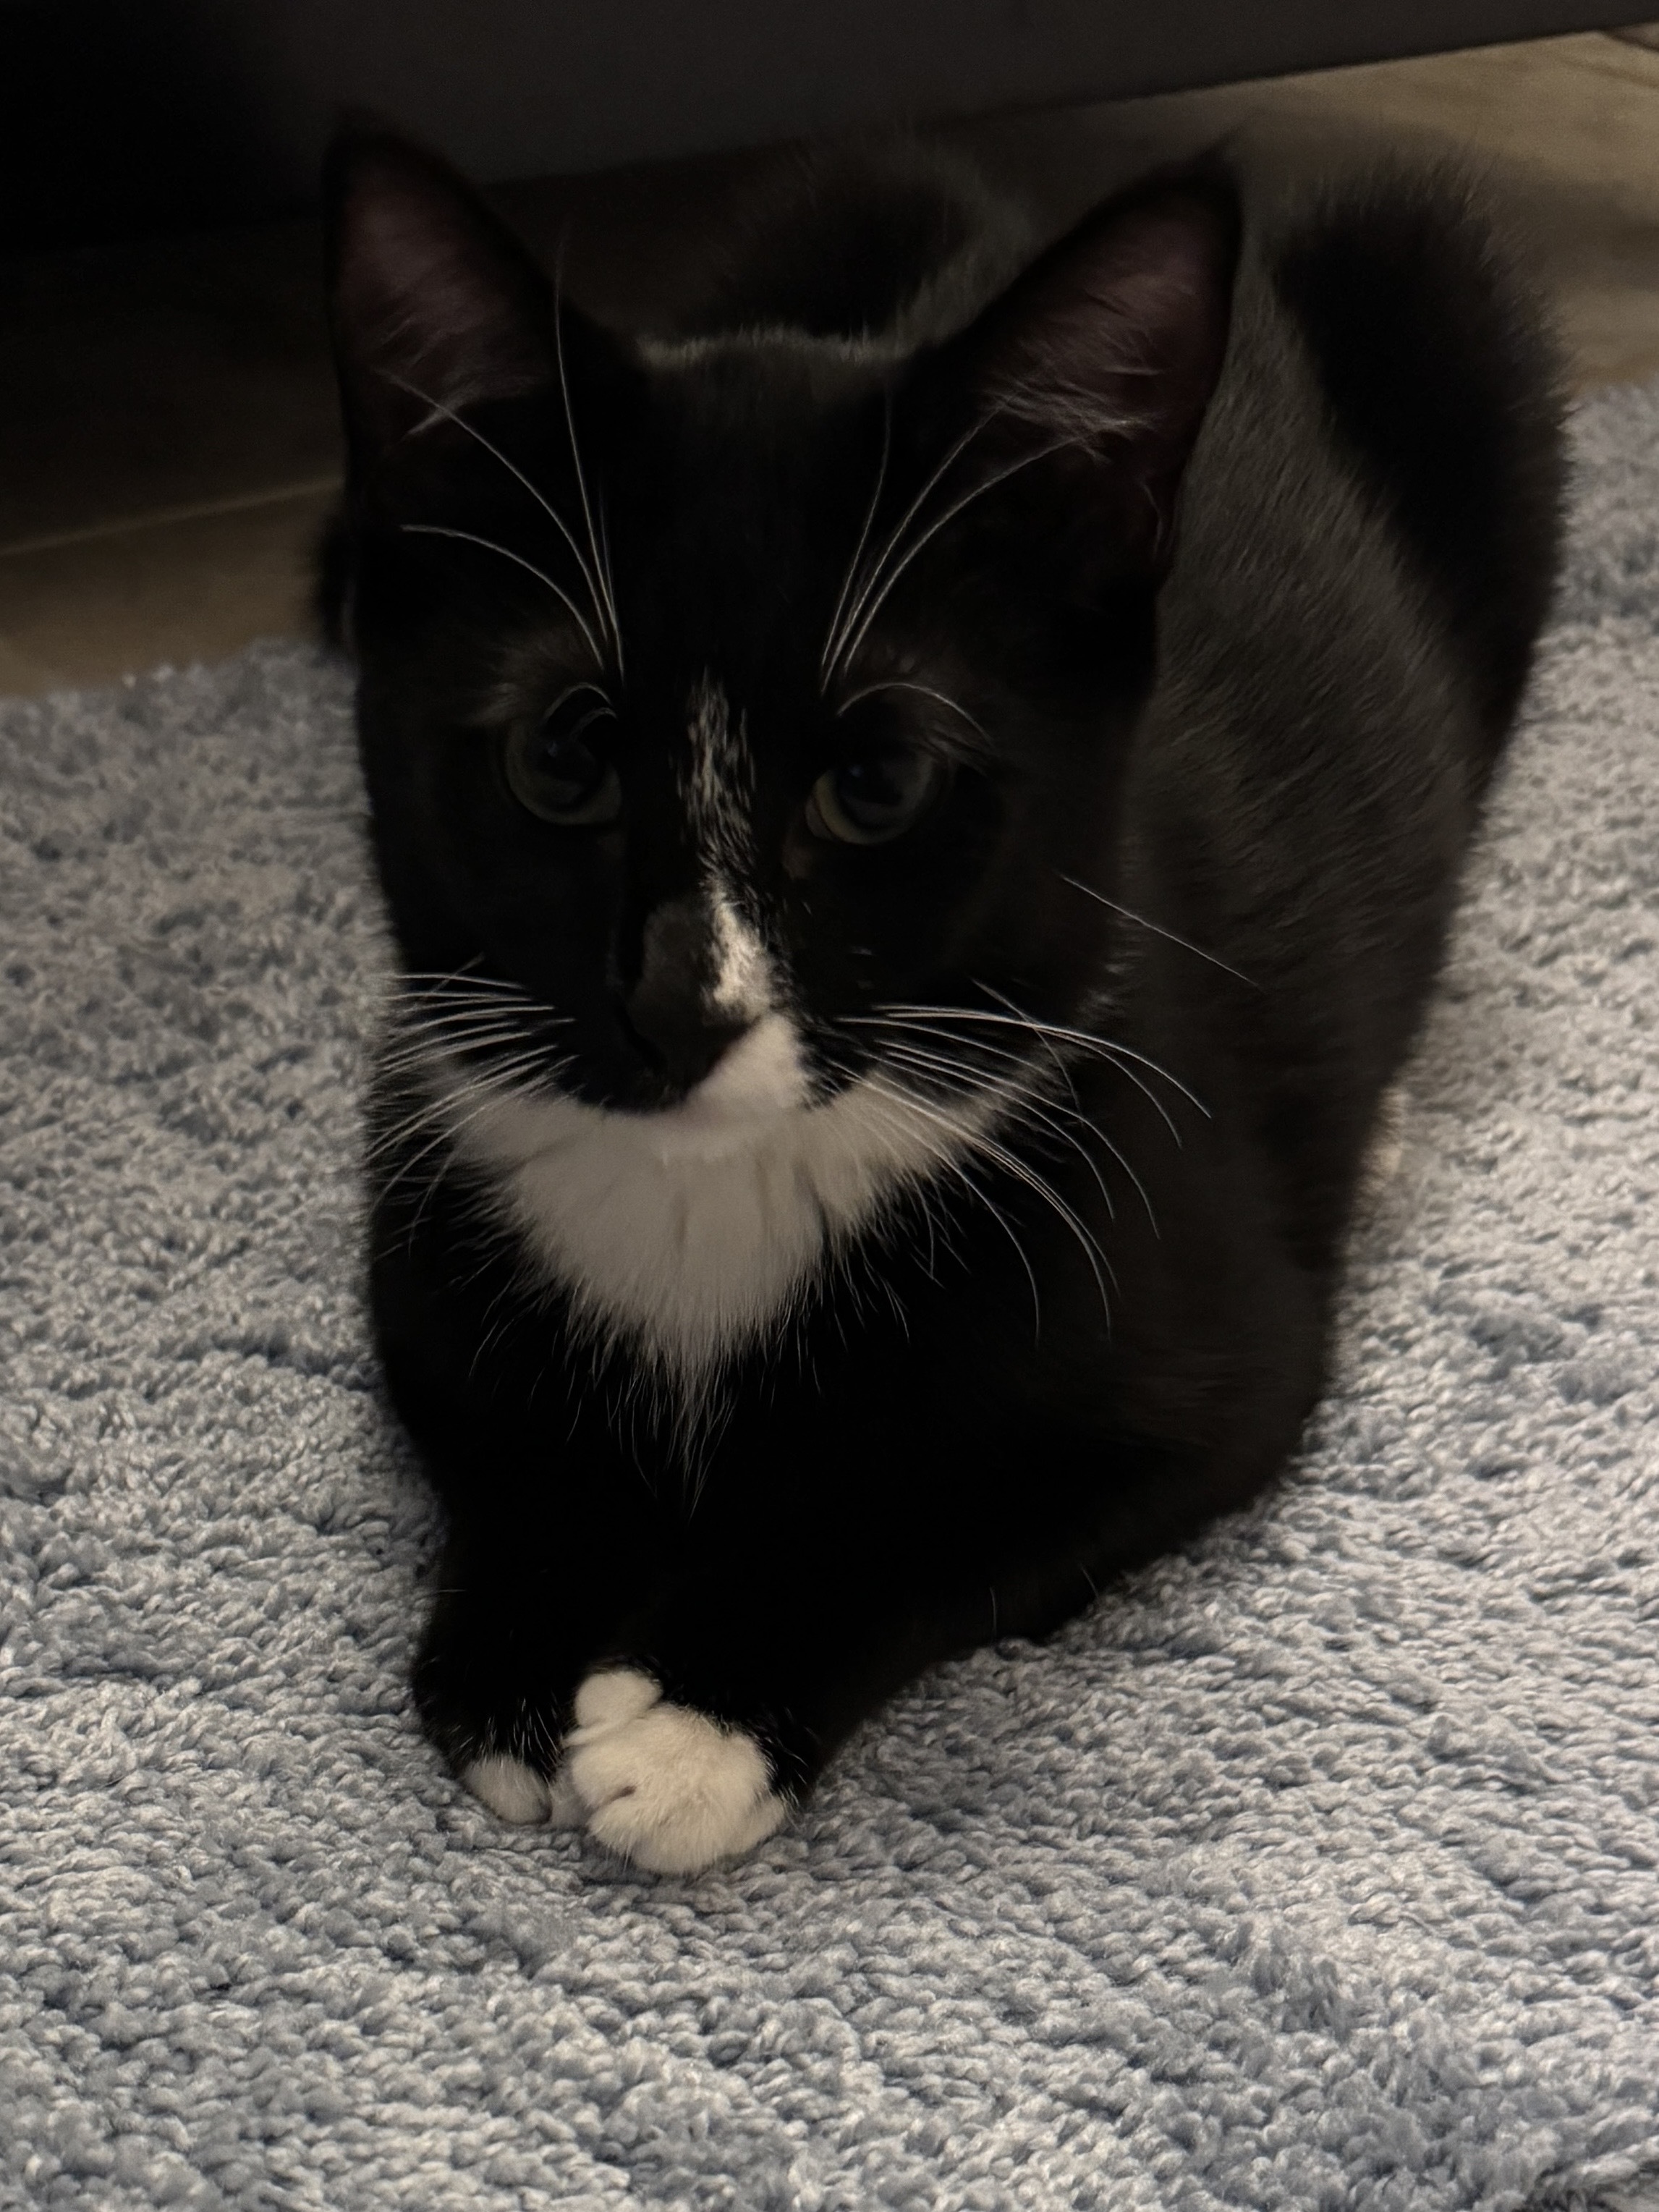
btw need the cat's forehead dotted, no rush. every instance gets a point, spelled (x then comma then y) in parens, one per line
(741, 515)
(764, 421)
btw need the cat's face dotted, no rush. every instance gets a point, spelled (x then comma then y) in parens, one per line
(735, 710)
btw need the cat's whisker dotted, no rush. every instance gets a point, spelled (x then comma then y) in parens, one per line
(413, 1031)
(488, 544)
(1106, 1056)
(428, 1031)
(1158, 929)
(440, 1019)
(435, 1005)
(1020, 1110)
(847, 581)
(486, 1086)
(1021, 1114)
(895, 536)
(486, 1091)
(996, 1156)
(445, 975)
(927, 690)
(420, 1051)
(1078, 1113)
(940, 522)
(999, 1056)
(1082, 1040)
(575, 449)
(999, 1155)
(900, 1101)
(422, 983)
(609, 588)
(417, 1005)
(937, 1030)
(386, 1141)
(1053, 1056)
(438, 1005)
(541, 499)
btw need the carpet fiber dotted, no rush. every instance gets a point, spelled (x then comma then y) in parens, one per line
(1316, 1870)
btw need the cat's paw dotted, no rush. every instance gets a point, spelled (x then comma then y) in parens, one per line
(512, 1790)
(663, 1785)
(518, 1793)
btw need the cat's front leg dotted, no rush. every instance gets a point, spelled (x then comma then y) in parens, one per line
(699, 1735)
(720, 1703)
(553, 1542)
(518, 1615)
(793, 1614)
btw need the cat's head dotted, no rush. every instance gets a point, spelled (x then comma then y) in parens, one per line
(722, 699)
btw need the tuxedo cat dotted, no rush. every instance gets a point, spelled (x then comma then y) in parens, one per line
(918, 811)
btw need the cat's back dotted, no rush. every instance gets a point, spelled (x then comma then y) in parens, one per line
(1370, 538)
(1435, 357)
(1372, 518)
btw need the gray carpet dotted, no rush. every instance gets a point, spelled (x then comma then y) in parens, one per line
(1319, 1870)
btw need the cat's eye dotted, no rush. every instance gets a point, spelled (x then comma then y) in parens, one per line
(556, 768)
(876, 796)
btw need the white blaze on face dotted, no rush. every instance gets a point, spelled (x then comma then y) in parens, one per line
(718, 792)
(718, 786)
(744, 983)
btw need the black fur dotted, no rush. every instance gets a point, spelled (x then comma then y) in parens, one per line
(1211, 793)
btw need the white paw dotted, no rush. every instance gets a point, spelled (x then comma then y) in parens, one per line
(512, 1790)
(663, 1785)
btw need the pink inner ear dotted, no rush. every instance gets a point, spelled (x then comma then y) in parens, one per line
(1119, 336)
(434, 308)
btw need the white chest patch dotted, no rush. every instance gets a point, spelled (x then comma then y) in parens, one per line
(694, 1232)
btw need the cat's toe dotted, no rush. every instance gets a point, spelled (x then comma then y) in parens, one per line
(512, 1790)
(616, 1693)
(662, 1784)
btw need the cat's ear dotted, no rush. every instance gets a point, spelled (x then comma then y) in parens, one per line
(1096, 366)
(434, 304)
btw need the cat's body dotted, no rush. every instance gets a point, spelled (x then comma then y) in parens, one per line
(798, 1252)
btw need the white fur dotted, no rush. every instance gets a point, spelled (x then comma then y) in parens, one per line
(664, 1786)
(1387, 1147)
(745, 988)
(694, 1231)
(716, 790)
(512, 1790)
(719, 782)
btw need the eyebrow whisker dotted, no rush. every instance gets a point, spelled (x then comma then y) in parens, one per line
(469, 538)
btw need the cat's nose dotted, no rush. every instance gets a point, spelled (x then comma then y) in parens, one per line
(668, 1011)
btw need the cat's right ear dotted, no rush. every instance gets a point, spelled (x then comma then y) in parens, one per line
(435, 305)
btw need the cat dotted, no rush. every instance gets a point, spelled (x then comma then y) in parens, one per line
(918, 810)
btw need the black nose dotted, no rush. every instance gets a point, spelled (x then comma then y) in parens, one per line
(667, 1013)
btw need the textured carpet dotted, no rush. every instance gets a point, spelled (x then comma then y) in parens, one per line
(1317, 1871)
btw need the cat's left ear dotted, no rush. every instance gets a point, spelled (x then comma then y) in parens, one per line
(1098, 363)
(434, 304)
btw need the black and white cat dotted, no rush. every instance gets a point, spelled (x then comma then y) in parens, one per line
(903, 949)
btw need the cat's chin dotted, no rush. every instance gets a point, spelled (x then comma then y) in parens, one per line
(759, 1081)
(693, 1231)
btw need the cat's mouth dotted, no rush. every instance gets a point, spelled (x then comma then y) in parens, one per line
(759, 1079)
